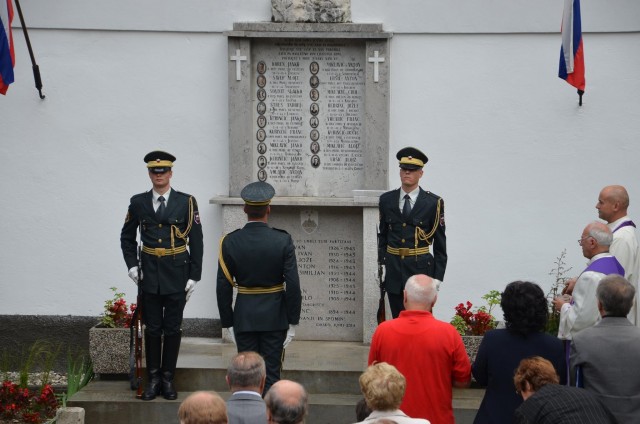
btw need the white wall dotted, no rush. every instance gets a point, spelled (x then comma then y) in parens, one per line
(473, 83)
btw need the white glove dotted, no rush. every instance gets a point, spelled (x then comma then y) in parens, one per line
(291, 332)
(133, 274)
(232, 335)
(190, 287)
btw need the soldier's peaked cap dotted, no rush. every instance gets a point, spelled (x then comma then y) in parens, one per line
(258, 193)
(159, 161)
(411, 158)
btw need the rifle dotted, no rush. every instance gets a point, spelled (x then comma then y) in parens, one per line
(135, 360)
(381, 314)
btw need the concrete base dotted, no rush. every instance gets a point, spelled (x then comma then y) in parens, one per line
(70, 415)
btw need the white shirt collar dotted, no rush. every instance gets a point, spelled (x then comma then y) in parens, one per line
(156, 195)
(413, 195)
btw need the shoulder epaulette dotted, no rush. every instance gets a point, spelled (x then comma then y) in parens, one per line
(433, 195)
(390, 193)
(135, 196)
(278, 229)
(182, 193)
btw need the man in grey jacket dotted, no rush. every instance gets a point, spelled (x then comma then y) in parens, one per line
(605, 356)
(246, 377)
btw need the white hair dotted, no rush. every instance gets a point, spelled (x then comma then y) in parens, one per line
(419, 292)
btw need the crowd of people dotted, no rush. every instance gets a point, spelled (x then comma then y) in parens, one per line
(415, 361)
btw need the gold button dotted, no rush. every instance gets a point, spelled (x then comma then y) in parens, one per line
(159, 240)
(403, 240)
(404, 225)
(159, 225)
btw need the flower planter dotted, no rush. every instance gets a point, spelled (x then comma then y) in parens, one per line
(109, 350)
(471, 344)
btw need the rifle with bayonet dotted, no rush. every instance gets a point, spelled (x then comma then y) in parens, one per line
(135, 345)
(381, 315)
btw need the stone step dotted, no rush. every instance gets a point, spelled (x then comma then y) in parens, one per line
(328, 370)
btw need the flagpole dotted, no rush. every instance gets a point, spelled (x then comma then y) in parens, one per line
(34, 65)
(580, 93)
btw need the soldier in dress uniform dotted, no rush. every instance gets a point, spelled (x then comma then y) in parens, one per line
(171, 257)
(412, 236)
(260, 261)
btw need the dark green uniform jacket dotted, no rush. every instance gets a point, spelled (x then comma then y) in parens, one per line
(258, 256)
(427, 216)
(164, 274)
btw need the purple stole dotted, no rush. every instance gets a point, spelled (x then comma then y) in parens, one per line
(607, 265)
(625, 224)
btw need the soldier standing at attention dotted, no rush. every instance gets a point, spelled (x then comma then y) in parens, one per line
(171, 236)
(412, 236)
(261, 262)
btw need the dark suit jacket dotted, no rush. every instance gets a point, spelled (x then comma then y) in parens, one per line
(609, 355)
(395, 231)
(498, 357)
(556, 404)
(167, 274)
(259, 256)
(245, 408)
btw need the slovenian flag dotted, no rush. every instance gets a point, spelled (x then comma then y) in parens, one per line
(7, 57)
(571, 52)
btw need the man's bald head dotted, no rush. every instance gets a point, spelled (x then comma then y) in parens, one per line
(286, 402)
(613, 202)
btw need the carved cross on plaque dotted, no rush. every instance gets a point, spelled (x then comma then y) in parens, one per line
(375, 60)
(239, 60)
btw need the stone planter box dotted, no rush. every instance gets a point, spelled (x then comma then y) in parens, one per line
(109, 350)
(471, 344)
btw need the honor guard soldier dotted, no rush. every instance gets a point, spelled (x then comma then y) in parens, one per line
(171, 260)
(412, 236)
(260, 261)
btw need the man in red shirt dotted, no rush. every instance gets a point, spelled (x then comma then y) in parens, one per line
(429, 353)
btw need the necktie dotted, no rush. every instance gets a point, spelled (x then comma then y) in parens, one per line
(406, 209)
(160, 210)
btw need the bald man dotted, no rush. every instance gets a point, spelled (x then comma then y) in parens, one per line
(287, 402)
(612, 205)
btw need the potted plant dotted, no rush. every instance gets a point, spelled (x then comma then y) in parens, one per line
(472, 323)
(109, 340)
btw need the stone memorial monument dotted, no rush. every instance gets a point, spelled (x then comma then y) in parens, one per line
(309, 113)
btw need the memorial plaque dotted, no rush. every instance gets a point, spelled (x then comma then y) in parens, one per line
(309, 114)
(329, 254)
(309, 100)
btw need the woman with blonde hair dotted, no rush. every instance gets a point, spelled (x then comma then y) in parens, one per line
(383, 387)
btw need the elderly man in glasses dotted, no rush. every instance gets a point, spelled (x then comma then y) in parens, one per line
(578, 305)
(580, 310)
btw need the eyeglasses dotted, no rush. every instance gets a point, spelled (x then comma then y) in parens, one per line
(581, 240)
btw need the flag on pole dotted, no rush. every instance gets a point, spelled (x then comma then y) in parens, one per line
(571, 52)
(7, 56)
